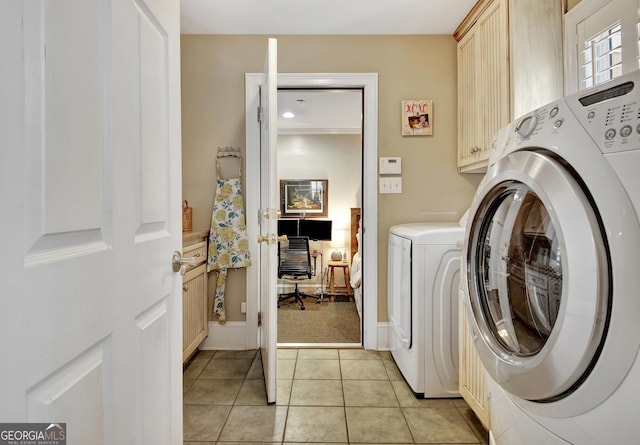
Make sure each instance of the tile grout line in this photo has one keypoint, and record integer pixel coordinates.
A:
(399, 403)
(226, 419)
(344, 399)
(341, 359)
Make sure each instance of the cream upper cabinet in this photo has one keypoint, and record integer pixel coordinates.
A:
(483, 85)
(509, 63)
(469, 128)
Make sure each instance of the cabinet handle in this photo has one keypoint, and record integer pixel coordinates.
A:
(185, 287)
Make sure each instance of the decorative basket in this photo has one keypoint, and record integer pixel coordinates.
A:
(187, 217)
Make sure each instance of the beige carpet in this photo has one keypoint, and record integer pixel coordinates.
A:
(326, 322)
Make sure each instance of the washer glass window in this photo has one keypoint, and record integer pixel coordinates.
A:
(519, 264)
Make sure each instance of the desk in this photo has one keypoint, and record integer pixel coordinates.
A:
(339, 290)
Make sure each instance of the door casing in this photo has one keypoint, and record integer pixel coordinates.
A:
(369, 83)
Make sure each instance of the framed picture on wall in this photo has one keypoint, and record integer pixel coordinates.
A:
(417, 118)
(304, 198)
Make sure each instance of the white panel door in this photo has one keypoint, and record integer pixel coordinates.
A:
(269, 219)
(90, 315)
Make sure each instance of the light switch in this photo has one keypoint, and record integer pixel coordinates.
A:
(391, 184)
(390, 166)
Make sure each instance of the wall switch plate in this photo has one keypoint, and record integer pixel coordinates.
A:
(243, 307)
(391, 184)
(390, 166)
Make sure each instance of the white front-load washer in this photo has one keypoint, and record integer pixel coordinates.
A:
(550, 270)
(423, 282)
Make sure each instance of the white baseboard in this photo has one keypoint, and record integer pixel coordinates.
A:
(229, 336)
(384, 330)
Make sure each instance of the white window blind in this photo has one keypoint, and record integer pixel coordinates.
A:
(601, 57)
(602, 42)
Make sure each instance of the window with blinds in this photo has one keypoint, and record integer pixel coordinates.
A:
(602, 42)
(601, 58)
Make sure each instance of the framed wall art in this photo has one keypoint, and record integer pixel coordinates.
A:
(417, 117)
(304, 198)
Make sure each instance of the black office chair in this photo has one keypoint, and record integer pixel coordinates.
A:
(294, 264)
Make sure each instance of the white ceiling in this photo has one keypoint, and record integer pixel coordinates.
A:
(320, 111)
(272, 17)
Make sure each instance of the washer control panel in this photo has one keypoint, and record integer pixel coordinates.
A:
(541, 121)
(611, 115)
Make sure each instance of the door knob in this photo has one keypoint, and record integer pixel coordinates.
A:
(272, 239)
(271, 213)
(180, 264)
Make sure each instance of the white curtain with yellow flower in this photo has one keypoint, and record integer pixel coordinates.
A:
(228, 243)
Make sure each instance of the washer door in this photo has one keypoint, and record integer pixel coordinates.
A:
(538, 277)
(400, 289)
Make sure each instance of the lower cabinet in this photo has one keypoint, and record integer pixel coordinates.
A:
(195, 322)
(472, 386)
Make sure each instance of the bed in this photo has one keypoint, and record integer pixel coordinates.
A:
(356, 259)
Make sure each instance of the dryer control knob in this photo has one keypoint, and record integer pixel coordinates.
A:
(526, 126)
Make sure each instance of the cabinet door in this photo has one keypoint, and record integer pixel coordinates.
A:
(469, 123)
(483, 86)
(471, 371)
(194, 310)
(494, 66)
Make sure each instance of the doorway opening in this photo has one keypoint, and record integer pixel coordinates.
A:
(320, 139)
(368, 82)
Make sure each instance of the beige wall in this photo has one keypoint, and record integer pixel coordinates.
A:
(408, 67)
(337, 158)
(572, 3)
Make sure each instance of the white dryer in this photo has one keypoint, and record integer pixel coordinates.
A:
(550, 271)
(423, 282)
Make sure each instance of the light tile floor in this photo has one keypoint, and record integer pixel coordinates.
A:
(323, 396)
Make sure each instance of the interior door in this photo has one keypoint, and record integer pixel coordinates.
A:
(90, 319)
(269, 219)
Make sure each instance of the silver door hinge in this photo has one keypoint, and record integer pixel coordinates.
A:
(259, 319)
